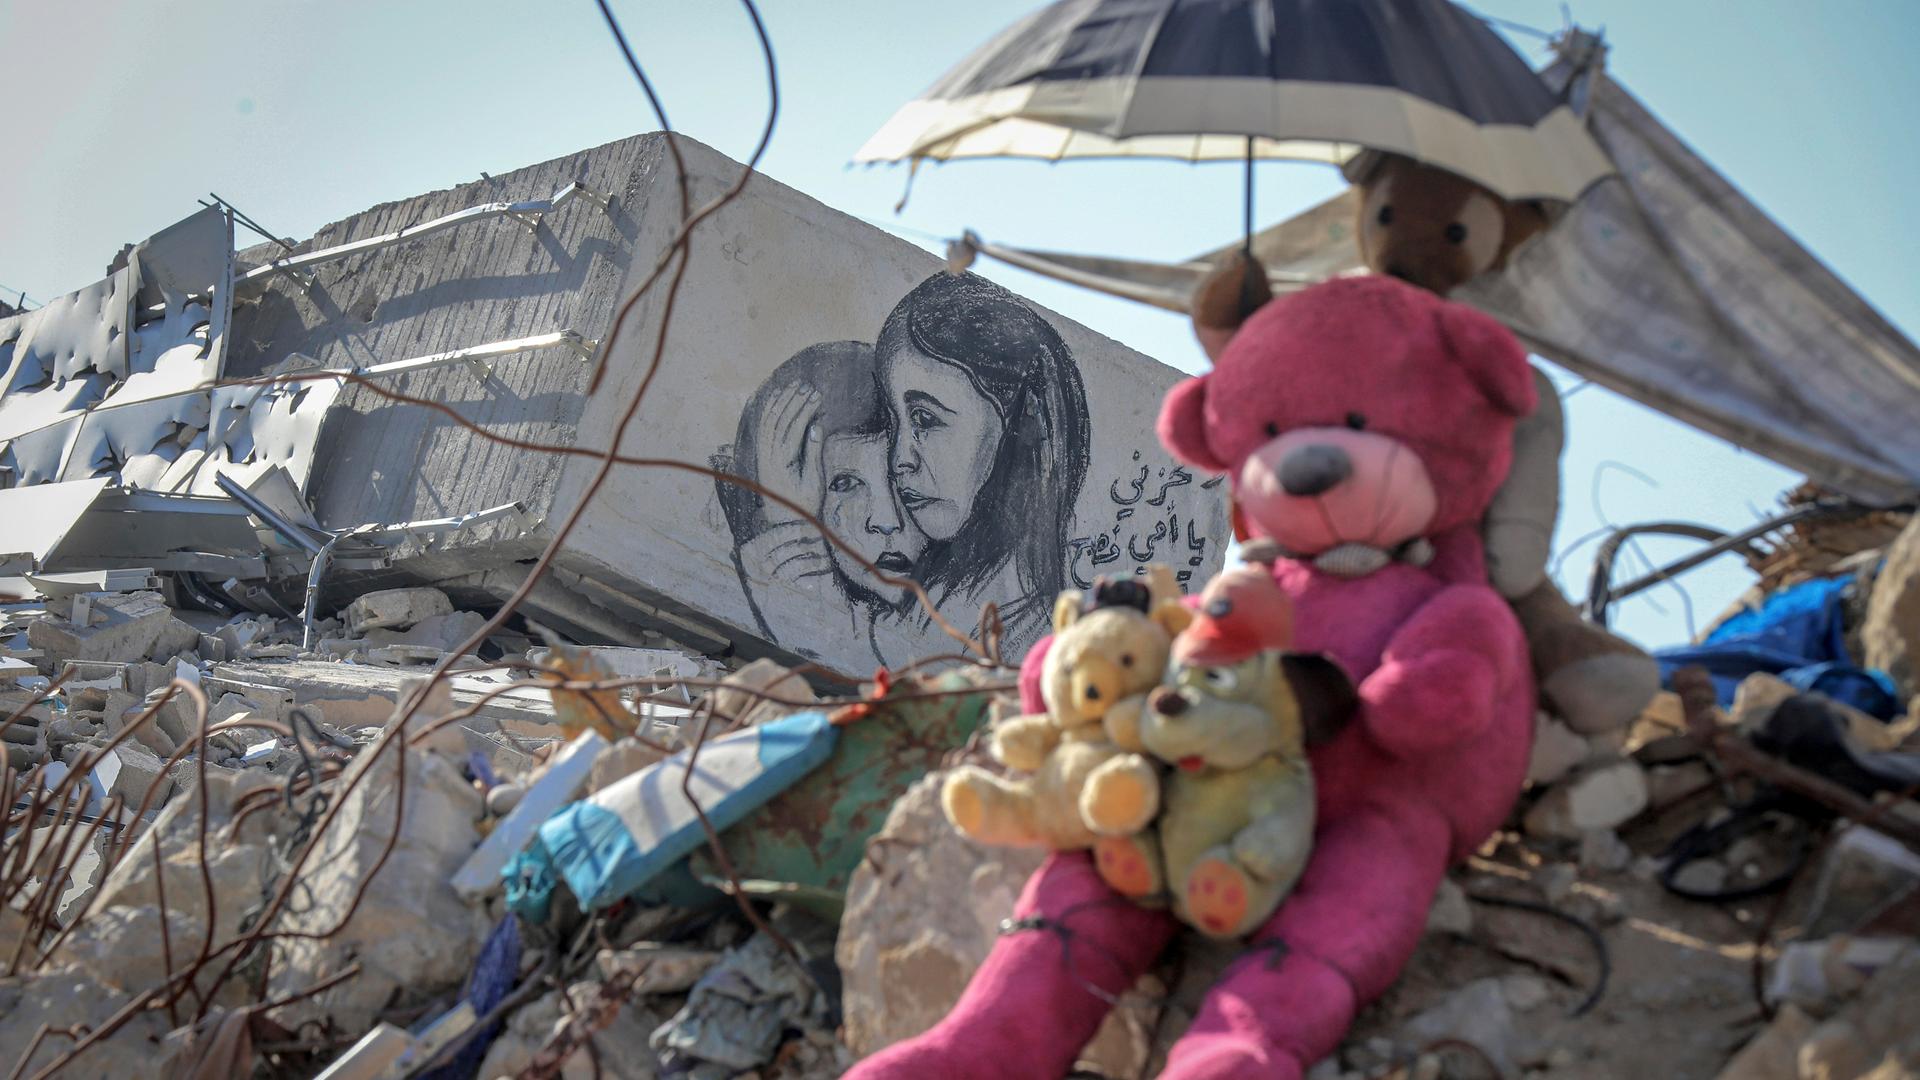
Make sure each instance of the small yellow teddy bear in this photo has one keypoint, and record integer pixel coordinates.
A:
(1110, 648)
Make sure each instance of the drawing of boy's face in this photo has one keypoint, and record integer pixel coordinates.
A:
(858, 505)
(948, 437)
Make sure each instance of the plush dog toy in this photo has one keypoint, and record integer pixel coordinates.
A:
(1111, 648)
(1323, 403)
(1438, 230)
(1232, 722)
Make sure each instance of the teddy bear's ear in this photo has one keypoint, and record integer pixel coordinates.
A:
(1173, 616)
(1325, 695)
(1183, 425)
(1491, 355)
(1525, 219)
(1066, 609)
(1225, 298)
(1160, 582)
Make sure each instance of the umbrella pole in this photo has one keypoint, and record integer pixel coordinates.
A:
(1247, 217)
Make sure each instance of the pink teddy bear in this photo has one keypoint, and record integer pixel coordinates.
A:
(1365, 425)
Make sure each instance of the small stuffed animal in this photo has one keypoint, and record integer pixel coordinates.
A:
(1232, 722)
(1110, 648)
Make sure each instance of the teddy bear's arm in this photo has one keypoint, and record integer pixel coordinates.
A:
(1439, 675)
(1024, 742)
(1122, 722)
(1121, 796)
(1275, 844)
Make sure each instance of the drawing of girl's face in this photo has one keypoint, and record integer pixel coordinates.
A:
(946, 437)
(858, 505)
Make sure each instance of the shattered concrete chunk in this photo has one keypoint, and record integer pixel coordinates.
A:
(71, 999)
(1557, 749)
(123, 947)
(657, 969)
(1478, 1013)
(1602, 797)
(1603, 852)
(410, 931)
(921, 913)
(1865, 872)
(744, 697)
(395, 608)
(438, 633)
(1451, 913)
(1890, 633)
(119, 627)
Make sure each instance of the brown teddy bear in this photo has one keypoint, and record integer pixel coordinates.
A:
(1437, 230)
(1110, 648)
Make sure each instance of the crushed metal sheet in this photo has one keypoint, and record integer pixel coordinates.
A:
(110, 379)
(41, 516)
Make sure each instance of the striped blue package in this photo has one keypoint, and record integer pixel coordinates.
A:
(610, 844)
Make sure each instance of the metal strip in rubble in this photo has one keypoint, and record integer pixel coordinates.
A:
(528, 213)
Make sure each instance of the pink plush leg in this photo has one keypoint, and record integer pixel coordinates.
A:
(1031, 700)
(1029, 1010)
(1347, 930)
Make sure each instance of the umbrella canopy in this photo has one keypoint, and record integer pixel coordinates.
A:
(1664, 284)
(1201, 80)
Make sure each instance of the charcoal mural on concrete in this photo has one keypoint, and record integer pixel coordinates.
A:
(953, 451)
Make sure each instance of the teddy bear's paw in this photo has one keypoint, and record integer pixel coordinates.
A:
(1121, 796)
(1219, 895)
(965, 803)
(1130, 865)
(1022, 746)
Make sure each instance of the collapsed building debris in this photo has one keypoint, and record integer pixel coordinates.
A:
(287, 787)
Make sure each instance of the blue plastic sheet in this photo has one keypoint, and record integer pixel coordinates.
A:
(1798, 634)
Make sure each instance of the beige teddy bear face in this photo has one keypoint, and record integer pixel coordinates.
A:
(1222, 716)
(1101, 657)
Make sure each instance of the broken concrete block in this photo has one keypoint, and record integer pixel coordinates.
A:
(920, 917)
(744, 697)
(623, 759)
(1451, 913)
(441, 633)
(1890, 633)
(175, 638)
(1865, 873)
(1602, 797)
(1556, 750)
(122, 946)
(657, 969)
(409, 929)
(405, 655)
(1702, 876)
(72, 999)
(129, 771)
(122, 628)
(1668, 784)
(1774, 1054)
(395, 608)
(1477, 1013)
(1817, 974)
(1603, 852)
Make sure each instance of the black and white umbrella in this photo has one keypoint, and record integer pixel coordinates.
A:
(1218, 80)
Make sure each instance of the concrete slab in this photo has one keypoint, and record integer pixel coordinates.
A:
(988, 448)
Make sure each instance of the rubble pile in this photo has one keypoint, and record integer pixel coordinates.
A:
(237, 843)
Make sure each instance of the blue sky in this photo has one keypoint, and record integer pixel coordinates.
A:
(302, 112)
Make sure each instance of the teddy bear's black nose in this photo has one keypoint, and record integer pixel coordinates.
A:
(1167, 702)
(1312, 470)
